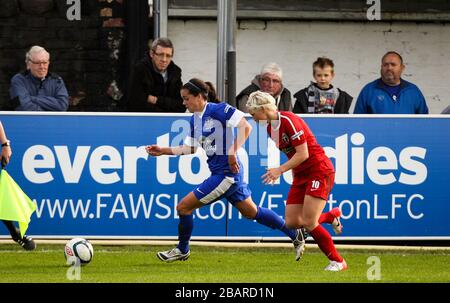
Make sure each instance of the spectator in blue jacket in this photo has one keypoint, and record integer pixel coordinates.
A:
(36, 89)
(390, 94)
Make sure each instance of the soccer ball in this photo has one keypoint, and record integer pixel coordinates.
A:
(78, 249)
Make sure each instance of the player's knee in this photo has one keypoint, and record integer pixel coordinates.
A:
(293, 223)
(248, 214)
(309, 223)
(183, 210)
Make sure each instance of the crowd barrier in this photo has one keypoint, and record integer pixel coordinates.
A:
(89, 175)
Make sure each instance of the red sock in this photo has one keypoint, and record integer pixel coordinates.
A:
(328, 217)
(323, 239)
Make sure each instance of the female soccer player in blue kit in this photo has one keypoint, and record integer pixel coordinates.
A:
(212, 129)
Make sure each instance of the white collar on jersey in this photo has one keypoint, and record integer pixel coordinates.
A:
(276, 124)
(200, 114)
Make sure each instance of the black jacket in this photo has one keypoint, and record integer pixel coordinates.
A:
(341, 107)
(145, 81)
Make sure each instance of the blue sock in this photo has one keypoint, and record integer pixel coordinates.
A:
(269, 218)
(185, 228)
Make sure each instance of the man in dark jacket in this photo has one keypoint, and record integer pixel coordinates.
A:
(321, 97)
(36, 89)
(446, 110)
(155, 82)
(269, 80)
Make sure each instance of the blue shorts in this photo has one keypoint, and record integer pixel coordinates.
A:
(217, 187)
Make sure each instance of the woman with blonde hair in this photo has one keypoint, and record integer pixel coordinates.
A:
(312, 170)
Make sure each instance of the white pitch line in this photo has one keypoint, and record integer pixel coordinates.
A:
(242, 244)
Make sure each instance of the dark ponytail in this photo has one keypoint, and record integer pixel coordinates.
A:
(196, 86)
(212, 97)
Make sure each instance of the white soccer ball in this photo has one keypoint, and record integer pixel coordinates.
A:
(78, 249)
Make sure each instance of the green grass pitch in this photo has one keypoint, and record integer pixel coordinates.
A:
(138, 263)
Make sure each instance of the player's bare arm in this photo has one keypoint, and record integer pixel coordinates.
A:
(155, 150)
(301, 154)
(243, 131)
(6, 148)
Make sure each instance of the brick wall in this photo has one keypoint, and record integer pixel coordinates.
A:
(86, 52)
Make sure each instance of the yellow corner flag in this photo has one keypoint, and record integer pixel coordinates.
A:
(15, 205)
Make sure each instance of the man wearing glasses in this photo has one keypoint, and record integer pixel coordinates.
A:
(36, 89)
(155, 82)
(270, 80)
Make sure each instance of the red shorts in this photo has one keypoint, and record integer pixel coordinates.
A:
(319, 187)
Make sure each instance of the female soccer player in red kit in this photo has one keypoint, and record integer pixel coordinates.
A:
(312, 170)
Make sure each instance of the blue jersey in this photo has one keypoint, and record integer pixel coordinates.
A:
(212, 130)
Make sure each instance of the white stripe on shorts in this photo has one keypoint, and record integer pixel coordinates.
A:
(218, 191)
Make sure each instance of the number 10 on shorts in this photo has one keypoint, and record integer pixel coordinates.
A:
(315, 184)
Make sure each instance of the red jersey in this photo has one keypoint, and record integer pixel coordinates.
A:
(293, 131)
